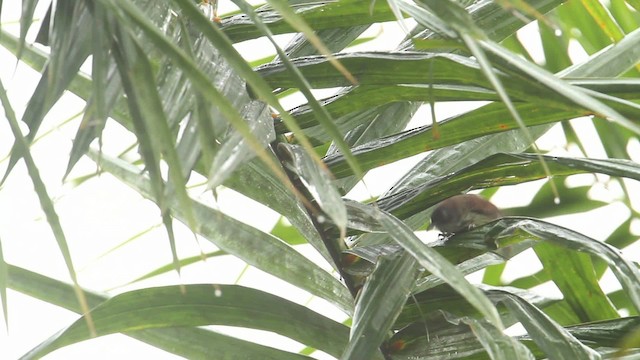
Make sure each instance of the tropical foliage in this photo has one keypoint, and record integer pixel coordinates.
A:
(201, 117)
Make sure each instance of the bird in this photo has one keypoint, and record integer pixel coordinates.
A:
(463, 212)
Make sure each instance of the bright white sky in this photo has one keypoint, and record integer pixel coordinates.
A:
(102, 214)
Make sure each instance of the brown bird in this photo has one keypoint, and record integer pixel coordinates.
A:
(463, 212)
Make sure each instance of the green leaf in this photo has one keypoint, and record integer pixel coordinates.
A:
(301, 83)
(198, 79)
(435, 339)
(317, 181)
(574, 275)
(334, 39)
(445, 331)
(549, 336)
(256, 83)
(235, 151)
(573, 200)
(285, 231)
(170, 267)
(623, 16)
(365, 96)
(45, 201)
(425, 305)
(620, 238)
(69, 50)
(327, 16)
(26, 18)
(613, 60)
(189, 342)
(198, 305)
(145, 107)
(602, 16)
(560, 88)
(487, 120)
(591, 37)
(437, 334)
(96, 113)
(561, 312)
(496, 343)
(499, 170)
(276, 195)
(243, 241)
(397, 68)
(511, 230)
(605, 333)
(379, 304)
(555, 45)
(475, 41)
(440, 267)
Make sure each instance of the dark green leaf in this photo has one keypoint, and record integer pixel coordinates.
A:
(327, 16)
(499, 170)
(318, 183)
(574, 275)
(69, 50)
(380, 302)
(46, 203)
(190, 342)
(511, 230)
(433, 262)
(247, 243)
(555, 341)
(198, 305)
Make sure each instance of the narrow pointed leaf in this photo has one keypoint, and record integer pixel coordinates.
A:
(510, 230)
(258, 86)
(131, 60)
(301, 83)
(198, 79)
(278, 197)
(199, 305)
(318, 182)
(612, 60)
(189, 342)
(247, 243)
(559, 87)
(381, 300)
(235, 151)
(425, 305)
(26, 18)
(494, 119)
(499, 169)
(45, 200)
(68, 53)
(555, 341)
(440, 267)
(327, 16)
(170, 267)
(439, 337)
(496, 343)
(577, 281)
